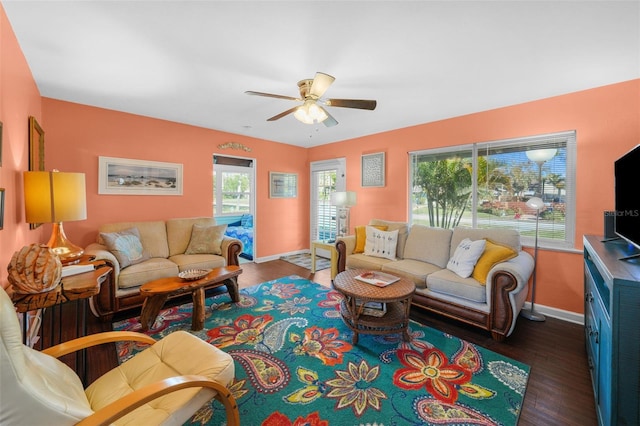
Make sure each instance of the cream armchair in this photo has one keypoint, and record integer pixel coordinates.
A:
(164, 384)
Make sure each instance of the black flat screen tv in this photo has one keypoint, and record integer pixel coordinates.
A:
(627, 196)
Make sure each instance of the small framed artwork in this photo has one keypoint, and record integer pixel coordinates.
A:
(373, 169)
(36, 146)
(283, 185)
(1, 208)
(123, 176)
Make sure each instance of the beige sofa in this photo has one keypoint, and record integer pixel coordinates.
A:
(164, 244)
(422, 255)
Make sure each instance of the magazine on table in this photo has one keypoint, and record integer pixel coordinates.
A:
(377, 278)
(374, 309)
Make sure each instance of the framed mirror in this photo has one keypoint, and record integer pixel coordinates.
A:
(36, 152)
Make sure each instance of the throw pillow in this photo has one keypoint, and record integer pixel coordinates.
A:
(465, 257)
(493, 253)
(361, 236)
(206, 239)
(247, 221)
(125, 246)
(381, 243)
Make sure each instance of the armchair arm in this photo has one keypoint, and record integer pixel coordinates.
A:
(344, 246)
(231, 249)
(96, 339)
(125, 405)
(507, 290)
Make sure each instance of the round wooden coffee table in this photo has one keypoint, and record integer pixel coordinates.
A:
(397, 297)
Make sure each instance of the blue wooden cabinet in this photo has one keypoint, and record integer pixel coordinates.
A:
(612, 329)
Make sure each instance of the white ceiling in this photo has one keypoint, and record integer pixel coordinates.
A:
(192, 61)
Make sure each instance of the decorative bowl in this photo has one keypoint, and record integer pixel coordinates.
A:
(193, 274)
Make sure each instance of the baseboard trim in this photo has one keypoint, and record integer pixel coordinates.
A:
(560, 314)
(278, 256)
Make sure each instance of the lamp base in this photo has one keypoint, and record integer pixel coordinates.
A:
(532, 315)
(68, 252)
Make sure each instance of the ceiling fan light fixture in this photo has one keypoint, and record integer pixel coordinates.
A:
(310, 113)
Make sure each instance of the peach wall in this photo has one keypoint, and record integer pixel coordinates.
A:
(607, 122)
(19, 98)
(78, 134)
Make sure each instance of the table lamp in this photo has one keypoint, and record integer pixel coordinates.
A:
(531, 314)
(343, 201)
(56, 197)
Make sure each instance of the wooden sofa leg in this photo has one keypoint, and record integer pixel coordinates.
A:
(497, 336)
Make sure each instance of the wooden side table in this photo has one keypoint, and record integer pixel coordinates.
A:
(397, 297)
(331, 247)
(75, 288)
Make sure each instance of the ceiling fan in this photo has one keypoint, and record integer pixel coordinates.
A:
(312, 110)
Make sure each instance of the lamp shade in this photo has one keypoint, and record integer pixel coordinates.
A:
(52, 197)
(535, 203)
(343, 199)
(541, 155)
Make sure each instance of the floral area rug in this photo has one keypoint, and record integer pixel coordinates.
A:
(304, 260)
(296, 365)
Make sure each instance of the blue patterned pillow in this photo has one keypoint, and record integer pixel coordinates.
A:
(247, 221)
(125, 246)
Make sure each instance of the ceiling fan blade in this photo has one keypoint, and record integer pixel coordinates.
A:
(352, 103)
(271, 95)
(282, 114)
(321, 83)
(329, 121)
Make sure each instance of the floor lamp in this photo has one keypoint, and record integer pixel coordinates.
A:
(343, 201)
(539, 156)
(531, 314)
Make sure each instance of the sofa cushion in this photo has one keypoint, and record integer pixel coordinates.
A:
(507, 237)
(415, 270)
(362, 261)
(466, 256)
(179, 232)
(428, 244)
(198, 261)
(361, 237)
(149, 270)
(403, 231)
(125, 246)
(153, 235)
(206, 239)
(381, 243)
(493, 253)
(448, 282)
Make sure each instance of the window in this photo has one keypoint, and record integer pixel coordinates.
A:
(232, 187)
(487, 185)
(326, 177)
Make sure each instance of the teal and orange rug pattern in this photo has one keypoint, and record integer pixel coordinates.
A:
(296, 365)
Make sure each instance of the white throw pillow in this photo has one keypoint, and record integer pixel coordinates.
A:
(381, 243)
(466, 256)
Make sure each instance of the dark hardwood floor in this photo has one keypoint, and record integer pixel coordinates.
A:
(559, 389)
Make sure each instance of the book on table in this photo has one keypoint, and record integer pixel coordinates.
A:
(377, 278)
(374, 309)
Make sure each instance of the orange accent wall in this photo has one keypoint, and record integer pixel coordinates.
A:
(78, 134)
(607, 124)
(19, 98)
(607, 121)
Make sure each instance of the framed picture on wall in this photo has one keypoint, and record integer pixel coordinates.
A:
(123, 176)
(36, 146)
(283, 185)
(373, 169)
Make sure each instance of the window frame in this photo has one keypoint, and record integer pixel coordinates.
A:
(530, 142)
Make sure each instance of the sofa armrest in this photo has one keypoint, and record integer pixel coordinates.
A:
(100, 252)
(103, 304)
(507, 290)
(345, 247)
(231, 249)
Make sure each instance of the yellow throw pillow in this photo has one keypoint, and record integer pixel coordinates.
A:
(493, 253)
(361, 236)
